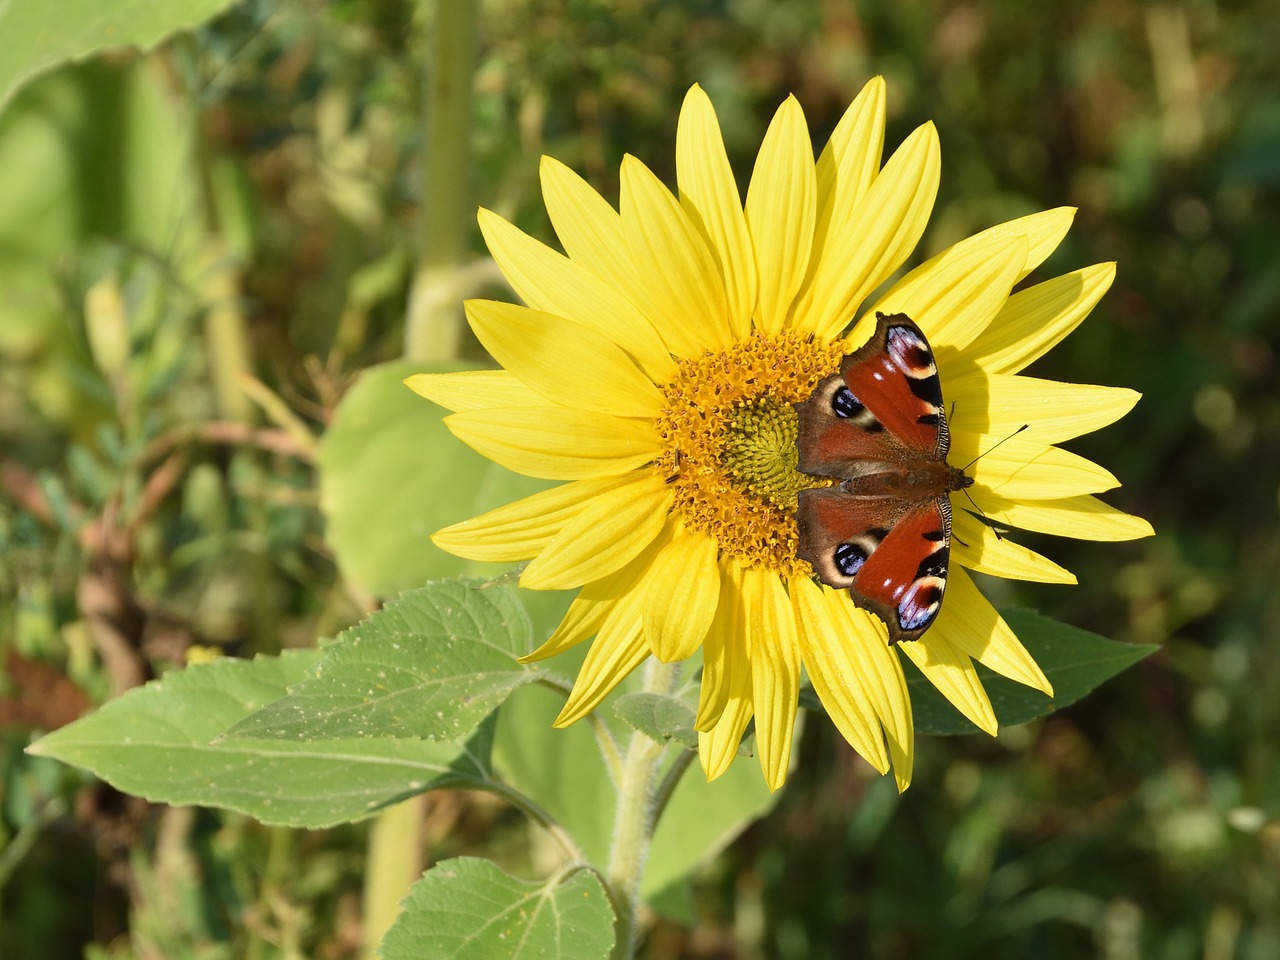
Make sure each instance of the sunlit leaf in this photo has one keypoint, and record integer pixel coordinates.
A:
(431, 664)
(469, 909)
(155, 742)
(38, 36)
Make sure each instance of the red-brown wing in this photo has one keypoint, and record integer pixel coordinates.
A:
(894, 376)
(835, 433)
(891, 554)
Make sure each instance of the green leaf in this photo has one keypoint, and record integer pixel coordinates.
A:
(155, 742)
(391, 474)
(664, 718)
(432, 664)
(668, 717)
(38, 36)
(468, 909)
(1074, 660)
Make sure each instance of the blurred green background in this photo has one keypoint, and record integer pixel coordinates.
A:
(244, 202)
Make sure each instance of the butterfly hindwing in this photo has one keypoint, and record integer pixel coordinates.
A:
(879, 426)
(890, 554)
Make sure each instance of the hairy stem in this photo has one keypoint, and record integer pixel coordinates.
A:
(634, 819)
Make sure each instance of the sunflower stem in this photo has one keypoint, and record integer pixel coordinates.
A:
(671, 780)
(634, 818)
(433, 327)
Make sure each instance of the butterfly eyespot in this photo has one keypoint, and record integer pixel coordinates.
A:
(921, 605)
(849, 558)
(845, 405)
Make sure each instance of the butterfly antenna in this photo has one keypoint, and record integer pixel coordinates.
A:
(982, 513)
(993, 446)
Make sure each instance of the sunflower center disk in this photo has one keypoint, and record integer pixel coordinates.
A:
(729, 434)
(760, 452)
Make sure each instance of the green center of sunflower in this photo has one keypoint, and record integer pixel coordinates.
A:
(729, 433)
(760, 452)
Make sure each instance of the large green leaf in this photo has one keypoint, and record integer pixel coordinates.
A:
(1074, 660)
(391, 474)
(432, 664)
(468, 909)
(155, 742)
(40, 34)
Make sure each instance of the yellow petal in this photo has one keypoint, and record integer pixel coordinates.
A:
(1000, 404)
(709, 194)
(851, 158)
(681, 596)
(845, 172)
(596, 602)
(884, 680)
(952, 672)
(592, 235)
(548, 281)
(723, 651)
(973, 626)
(1044, 231)
(863, 250)
(618, 649)
(683, 278)
(557, 443)
(606, 534)
(471, 389)
(563, 361)
(836, 664)
(1038, 318)
(976, 546)
(1083, 518)
(957, 293)
(782, 206)
(519, 530)
(718, 746)
(1029, 470)
(775, 669)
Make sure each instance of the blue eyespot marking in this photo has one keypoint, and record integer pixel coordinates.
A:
(849, 558)
(845, 405)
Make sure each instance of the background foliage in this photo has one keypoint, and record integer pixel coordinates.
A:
(202, 247)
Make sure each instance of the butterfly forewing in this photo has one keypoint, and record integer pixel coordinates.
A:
(893, 375)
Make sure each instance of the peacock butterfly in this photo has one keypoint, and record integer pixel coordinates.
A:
(883, 533)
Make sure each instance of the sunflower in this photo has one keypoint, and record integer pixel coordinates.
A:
(655, 370)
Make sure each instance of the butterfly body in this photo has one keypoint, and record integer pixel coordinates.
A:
(884, 532)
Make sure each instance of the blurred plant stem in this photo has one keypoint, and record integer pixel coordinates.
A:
(634, 817)
(394, 863)
(434, 323)
(226, 335)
